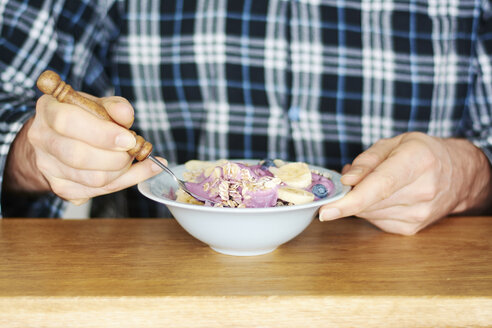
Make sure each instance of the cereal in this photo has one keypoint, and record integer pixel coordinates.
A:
(269, 183)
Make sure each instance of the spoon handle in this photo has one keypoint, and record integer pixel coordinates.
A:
(50, 83)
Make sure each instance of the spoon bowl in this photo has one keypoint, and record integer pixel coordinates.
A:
(181, 183)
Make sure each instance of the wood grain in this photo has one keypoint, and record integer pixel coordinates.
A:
(346, 273)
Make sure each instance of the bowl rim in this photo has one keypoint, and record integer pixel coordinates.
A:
(144, 188)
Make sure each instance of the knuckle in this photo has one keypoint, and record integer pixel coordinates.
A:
(369, 158)
(33, 136)
(72, 156)
(420, 215)
(352, 208)
(116, 99)
(122, 161)
(409, 229)
(42, 102)
(55, 145)
(42, 164)
(66, 191)
(61, 121)
(110, 187)
(413, 135)
(388, 183)
(384, 144)
(383, 141)
(79, 201)
(78, 162)
(423, 153)
(98, 179)
(428, 193)
(429, 160)
(399, 227)
(58, 187)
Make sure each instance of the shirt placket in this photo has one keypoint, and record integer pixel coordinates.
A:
(304, 82)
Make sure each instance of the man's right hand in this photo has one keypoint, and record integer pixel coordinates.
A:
(75, 154)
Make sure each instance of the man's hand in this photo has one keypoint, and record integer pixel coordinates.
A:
(405, 183)
(75, 154)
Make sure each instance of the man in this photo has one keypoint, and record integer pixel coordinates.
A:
(408, 86)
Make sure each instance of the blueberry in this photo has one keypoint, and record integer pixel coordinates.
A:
(266, 163)
(319, 190)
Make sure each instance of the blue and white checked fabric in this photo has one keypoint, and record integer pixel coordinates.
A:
(309, 80)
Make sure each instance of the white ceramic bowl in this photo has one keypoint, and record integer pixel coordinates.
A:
(239, 231)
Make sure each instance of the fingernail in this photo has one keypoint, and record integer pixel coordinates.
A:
(329, 214)
(125, 140)
(354, 171)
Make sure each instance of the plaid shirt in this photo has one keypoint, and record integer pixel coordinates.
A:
(308, 80)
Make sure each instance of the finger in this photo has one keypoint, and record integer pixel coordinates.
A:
(88, 178)
(97, 179)
(80, 155)
(137, 173)
(73, 191)
(367, 161)
(346, 168)
(401, 213)
(391, 175)
(397, 227)
(79, 202)
(423, 190)
(120, 110)
(401, 227)
(162, 160)
(72, 122)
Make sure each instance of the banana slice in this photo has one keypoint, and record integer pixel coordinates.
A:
(278, 162)
(196, 165)
(295, 196)
(184, 197)
(297, 175)
(211, 169)
(206, 166)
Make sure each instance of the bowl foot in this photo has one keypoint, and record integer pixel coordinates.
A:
(236, 252)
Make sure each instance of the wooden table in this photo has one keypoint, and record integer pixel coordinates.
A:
(150, 273)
